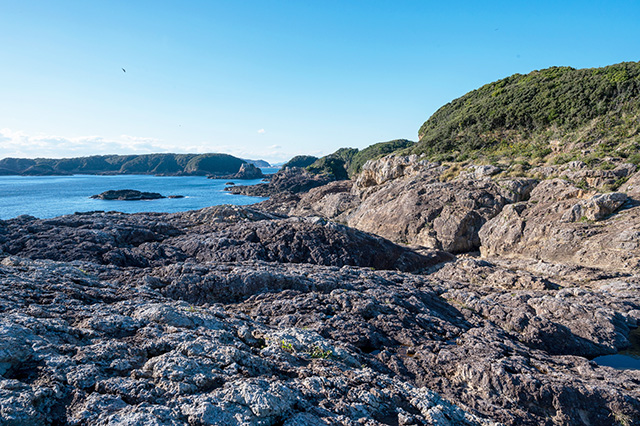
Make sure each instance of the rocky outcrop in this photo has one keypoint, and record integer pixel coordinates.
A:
(283, 343)
(564, 224)
(632, 187)
(247, 171)
(127, 195)
(221, 233)
(330, 201)
(405, 199)
(237, 315)
(290, 180)
(579, 173)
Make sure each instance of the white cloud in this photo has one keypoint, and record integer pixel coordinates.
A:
(24, 145)
(262, 131)
(21, 144)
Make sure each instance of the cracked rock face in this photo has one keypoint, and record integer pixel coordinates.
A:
(404, 200)
(563, 224)
(104, 345)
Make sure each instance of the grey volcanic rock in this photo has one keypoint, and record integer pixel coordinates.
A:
(202, 333)
(120, 352)
(332, 200)
(127, 195)
(303, 240)
(578, 172)
(409, 200)
(572, 321)
(556, 225)
(293, 180)
(421, 210)
(220, 233)
(405, 199)
(632, 187)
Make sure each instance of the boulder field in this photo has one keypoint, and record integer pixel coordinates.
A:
(416, 294)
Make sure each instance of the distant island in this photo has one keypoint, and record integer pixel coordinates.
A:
(147, 164)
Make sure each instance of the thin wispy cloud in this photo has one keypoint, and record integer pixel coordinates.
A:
(24, 145)
(262, 131)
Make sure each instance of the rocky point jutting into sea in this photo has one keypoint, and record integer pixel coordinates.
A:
(428, 288)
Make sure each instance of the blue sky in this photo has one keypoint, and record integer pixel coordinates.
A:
(274, 79)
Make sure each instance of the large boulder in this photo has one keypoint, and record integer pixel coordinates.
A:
(403, 199)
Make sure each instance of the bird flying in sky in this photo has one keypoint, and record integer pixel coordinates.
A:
(123, 70)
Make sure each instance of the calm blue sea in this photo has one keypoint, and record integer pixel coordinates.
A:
(50, 196)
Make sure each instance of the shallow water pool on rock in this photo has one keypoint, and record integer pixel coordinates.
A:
(628, 359)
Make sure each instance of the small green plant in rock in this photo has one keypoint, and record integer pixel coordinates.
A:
(317, 352)
(286, 346)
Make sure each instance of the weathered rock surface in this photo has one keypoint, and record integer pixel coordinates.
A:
(264, 343)
(329, 201)
(221, 233)
(579, 173)
(564, 224)
(405, 200)
(241, 316)
(632, 187)
(127, 195)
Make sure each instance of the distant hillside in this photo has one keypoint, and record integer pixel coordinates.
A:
(258, 163)
(154, 164)
(300, 161)
(560, 112)
(347, 162)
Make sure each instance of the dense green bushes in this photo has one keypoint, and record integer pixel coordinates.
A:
(347, 162)
(161, 164)
(300, 161)
(577, 109)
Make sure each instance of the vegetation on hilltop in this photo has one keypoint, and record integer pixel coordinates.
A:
(556, 114)
(158, 164)
(300, 161)
(347, 162)
(375, 151)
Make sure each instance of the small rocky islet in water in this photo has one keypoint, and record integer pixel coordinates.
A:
(131, 195)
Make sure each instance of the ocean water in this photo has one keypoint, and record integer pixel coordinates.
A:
(628, 359)
(50, 196)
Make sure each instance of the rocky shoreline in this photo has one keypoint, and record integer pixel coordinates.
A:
(415, 294)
